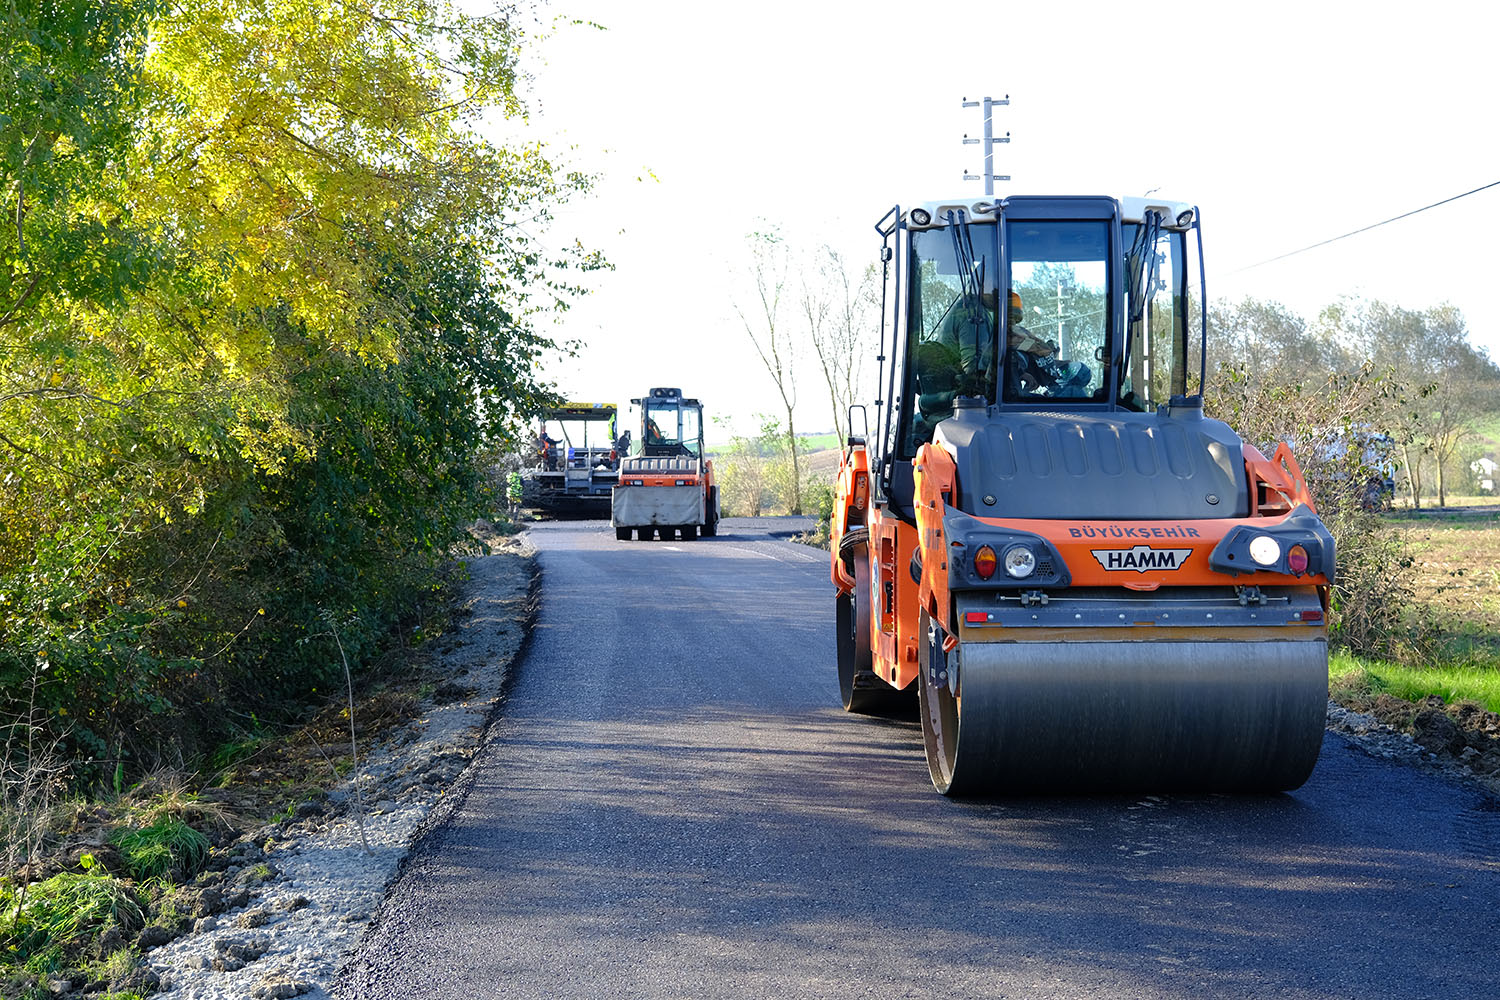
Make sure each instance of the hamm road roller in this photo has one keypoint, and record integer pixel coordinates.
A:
(1091, 584)
(668, 485)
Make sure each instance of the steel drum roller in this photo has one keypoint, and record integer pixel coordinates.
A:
(1182, 715)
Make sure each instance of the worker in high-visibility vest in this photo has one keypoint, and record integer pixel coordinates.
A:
(547, 445)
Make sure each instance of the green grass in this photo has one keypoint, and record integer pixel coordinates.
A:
(807, 443)
(1487, 429)
(154, 851)
(1478, 682)
(227, 755)
(62, 908)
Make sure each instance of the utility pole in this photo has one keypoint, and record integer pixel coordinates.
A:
(989, 140)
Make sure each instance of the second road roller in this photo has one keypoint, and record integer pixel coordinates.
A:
(1091, 584)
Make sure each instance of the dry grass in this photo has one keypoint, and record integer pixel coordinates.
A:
(1458, 580)
(824, 465)
(169, 795)
(1453, 617)
(1429, 504)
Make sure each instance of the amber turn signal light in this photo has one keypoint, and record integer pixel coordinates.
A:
(985, 562)
(1296, 559)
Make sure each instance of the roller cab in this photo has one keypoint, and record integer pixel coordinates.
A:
(1089, 583)
(667, 486)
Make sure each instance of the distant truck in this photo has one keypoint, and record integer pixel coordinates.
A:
(1355, 461)
(668, 486)
(577, 461)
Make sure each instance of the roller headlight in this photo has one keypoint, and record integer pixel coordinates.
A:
(1020, 561)
(1265, 550)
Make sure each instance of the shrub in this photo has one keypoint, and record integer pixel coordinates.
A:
(211, 438)
(1374, 588)
(1334, 426)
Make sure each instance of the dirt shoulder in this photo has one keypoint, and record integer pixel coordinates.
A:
(1461, 738)
(304, 830)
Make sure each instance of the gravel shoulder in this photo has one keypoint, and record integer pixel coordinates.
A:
(296, 896)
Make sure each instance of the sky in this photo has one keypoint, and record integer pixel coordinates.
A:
(1286, 123)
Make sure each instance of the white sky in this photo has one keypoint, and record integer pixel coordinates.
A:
(1287, 123)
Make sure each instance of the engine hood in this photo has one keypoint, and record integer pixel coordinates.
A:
(1122, 465)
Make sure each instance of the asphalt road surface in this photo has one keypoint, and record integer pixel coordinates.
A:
(673, 805)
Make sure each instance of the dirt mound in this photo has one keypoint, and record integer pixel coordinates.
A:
(1461, 733)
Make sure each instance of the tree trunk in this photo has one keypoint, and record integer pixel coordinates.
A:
(833, 392)
(791, 434)
(841, 434)
(1412, 479)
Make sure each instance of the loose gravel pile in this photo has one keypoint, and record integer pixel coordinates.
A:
(1373, 736)
(290, 907)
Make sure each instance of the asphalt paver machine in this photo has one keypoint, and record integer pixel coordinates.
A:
(577, 461)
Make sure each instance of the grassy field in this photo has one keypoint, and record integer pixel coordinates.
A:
(1452, 683)
(809, 443)
(1486, 430)
(1457, 563)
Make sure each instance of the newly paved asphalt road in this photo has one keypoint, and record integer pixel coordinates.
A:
(673, 805)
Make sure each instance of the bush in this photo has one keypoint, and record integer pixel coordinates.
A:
(755, 475)
(36, 919)
(1334, 427)
(225, 422)
(821, 498)
(1374, 588)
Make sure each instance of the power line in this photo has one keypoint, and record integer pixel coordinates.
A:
(1324, 243)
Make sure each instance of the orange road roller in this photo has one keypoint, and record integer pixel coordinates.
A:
(1090, 583)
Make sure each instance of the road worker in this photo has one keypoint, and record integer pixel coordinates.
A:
(1035, 367)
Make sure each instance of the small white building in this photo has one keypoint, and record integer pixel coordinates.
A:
(1484, 471)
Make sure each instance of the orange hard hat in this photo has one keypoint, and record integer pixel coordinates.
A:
(1015, 299)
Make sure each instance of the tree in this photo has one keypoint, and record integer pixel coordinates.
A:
(1453, 382)
(1267, 337)
(838, 307)
(266, 295)
(1362, 375)
(776, 348)
(1464, 381)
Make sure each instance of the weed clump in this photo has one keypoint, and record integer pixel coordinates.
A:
(69, 909)
(166, 848)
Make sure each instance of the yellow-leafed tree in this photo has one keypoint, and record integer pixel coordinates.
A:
(265, 291)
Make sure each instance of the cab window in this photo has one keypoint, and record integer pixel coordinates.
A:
(1057, 319)
(1162, 306)
(673, 428)
(953, 325)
